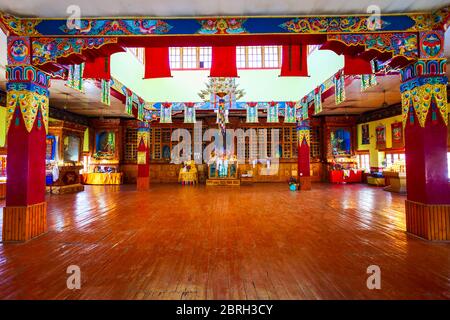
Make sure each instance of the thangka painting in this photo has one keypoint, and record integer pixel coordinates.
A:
(340, 142)
(365, 136)
(381, 137)
(397, 135)
(105, 145)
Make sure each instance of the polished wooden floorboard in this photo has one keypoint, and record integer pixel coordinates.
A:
(249, 242)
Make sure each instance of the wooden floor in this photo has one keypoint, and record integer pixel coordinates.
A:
(249, 242)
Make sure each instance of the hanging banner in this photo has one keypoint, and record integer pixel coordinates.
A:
(318, 100)
(305, 115)
(141, 104)
(166, 113)
(223, 62)
(294, 60)
(289, 112)
(106, 92)
(156, 64)
(222, 115)
(75, 77)
(381, 137)
(397, 135)
(189, 112)
(252, 112)
(368, 81)
(129, 102)
(272, 112)
(98, 68)
(339, 87)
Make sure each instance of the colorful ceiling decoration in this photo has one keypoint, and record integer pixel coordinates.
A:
(117, 27)
(222, 26)
(219, 25)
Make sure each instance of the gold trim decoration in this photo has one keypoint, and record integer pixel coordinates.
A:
(29, 104)
(303, 135)
(420, 99)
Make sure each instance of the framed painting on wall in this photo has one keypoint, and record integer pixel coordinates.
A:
(340, 142)
(365, 136)
(381, 137)
(397, 135)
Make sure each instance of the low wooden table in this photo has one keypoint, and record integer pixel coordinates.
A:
(397, 181)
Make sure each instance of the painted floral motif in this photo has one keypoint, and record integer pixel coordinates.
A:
(398, 43)
(49, 49)
(222, 26)
(431, 44)
(20, 27)
(19, 50)
(119, 27)
(328, 24)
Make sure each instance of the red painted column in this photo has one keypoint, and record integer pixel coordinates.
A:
(24, 216)
(425, 118)
(143, 157)
(303, 155)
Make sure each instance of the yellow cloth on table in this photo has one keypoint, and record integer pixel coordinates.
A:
(102, 178)
(188, 176)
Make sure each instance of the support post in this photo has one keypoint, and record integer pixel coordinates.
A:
(425, 119)
(303, 155)
(25, 213)
(143, 157)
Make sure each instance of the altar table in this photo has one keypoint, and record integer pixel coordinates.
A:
(188, 177)
(339, 176)
(102, 178)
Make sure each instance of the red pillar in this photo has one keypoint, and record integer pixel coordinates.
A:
(24, 215)
(303, 157)
(143, 158)
(425, 117)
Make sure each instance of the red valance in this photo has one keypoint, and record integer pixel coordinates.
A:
(223, 62)
(97, 68)
(294, 62)
(157, 63)
(356, 66)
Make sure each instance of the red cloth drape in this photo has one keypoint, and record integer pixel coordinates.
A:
(223, 62)
(356, 66)
(97, 68)
(157, 63)
(294, 62)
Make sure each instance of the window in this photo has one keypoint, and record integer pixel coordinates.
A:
(175, 58)
(205, 57)
(130, 146)
(271, 59)
(266, 57)
(138, 53)
(189, 58)
(394, 159)
(254, 55)
(364, 162)
(241, 60)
